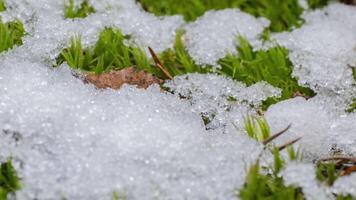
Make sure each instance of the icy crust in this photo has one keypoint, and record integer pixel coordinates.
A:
(214, 34)
(220, 98)
(81, 143)
(324, 48)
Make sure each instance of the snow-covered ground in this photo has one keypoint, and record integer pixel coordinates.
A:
(82, 143)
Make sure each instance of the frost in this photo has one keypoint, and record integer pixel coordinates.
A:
(214, 34)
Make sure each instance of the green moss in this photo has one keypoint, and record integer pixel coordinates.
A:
(352, 107)
(11, 34)
(2, 6)
(70, 11)
(283, 14)
(178, 61)
(314, 4)
(272, 66)
(9, 181)
(109, 53)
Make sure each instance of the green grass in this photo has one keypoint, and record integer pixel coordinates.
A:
(272, 66)
(2, 6)
(71, 11)
(9, 181)
(11, 34)
(314, 4)
(283, 14)
(257, 128)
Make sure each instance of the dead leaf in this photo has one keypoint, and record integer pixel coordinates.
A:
(115, 79)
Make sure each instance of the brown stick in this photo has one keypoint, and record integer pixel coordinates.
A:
(268, 140)
(345, 158)
(159, 64)
(288, 144)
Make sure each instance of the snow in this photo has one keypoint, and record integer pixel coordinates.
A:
(71, 140)
(220, 98)
(303, 175)
(324, 48)
(208, 39)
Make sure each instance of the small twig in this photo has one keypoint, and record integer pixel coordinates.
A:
(345, 158)
(268, 140)
(288, 144)
(159, 64)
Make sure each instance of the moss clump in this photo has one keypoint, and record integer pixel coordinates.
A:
(9, 181)
(272, 66)
(70, 11)
(2, 6)
(109, 53)
(11, 34)
(283, 14)
(314, 4)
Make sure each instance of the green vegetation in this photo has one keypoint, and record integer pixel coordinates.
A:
(314, 4)
(272, 66)
(352, 107)
(259, 186)
(327, 173)
(71, 11)
(2, 6)
(283, 14)
(178, 61)
(110, 52)
(11, 34)
(9, 181)
(257, 128)
(265, 182)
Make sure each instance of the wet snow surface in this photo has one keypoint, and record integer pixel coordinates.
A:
(71, 140)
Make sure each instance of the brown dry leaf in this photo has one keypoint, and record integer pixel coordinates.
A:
(115, 79)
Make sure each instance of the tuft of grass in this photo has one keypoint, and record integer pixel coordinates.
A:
(71, 11)
(283, 14)
(11, 34)
(327, 173)
(314, 4)
(9, 181)
(2, 6)
(268, 184)
(109, 53)
(257, 128)
(272, 66)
